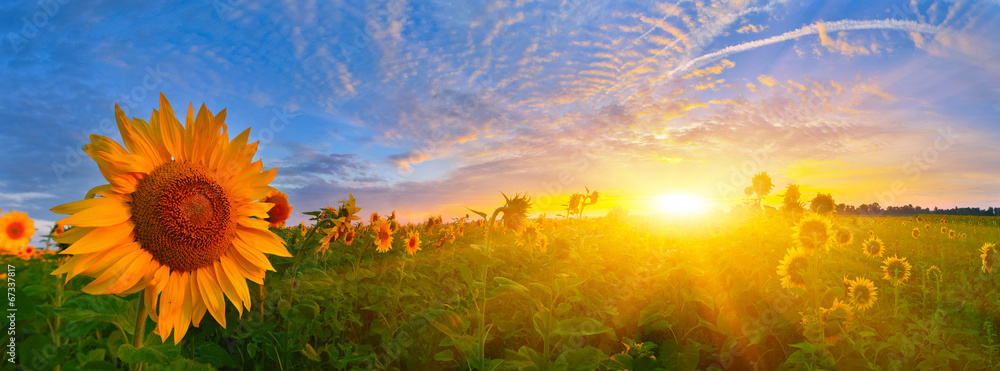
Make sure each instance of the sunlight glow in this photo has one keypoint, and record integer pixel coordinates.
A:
(681, 204)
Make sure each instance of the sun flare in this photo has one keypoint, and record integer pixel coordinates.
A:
(680, 204)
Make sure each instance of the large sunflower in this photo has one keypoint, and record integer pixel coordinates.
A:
(16, 230)
(792, 269)
(812, 233)
(896, 270)
(178, 220)
(862, 293)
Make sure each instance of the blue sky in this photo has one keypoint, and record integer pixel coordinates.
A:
(428, 107)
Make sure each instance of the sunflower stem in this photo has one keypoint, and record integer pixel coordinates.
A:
(140, 326)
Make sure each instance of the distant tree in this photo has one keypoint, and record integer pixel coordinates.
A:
(790, 205)
(761, 185)
(822, 204)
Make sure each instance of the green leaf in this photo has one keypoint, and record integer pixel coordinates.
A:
(99, 308)
(509, 284)
(480, 213)
(582, 359)
(100, 365)
(129, 354)
(252, 349)
(581, 326)
(213, 354)
(620, 362)
(185, 364)
(444, 356)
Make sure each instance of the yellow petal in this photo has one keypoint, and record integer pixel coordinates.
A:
(211, 294)
(227, 287)
(263, 240)
(233, 275)
(72, 235)
(102, 212)
(101, 239)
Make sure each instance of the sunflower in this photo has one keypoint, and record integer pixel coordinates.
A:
(873, 247)
(178, 220)
(989, 251)
(844, 236)
(933, 273)
(349, 237)
(927, 227)
(281, 210)
(863, 293)
(413, 242)
(375, 218)
(963, 235)
(944, 230)
(896, 270)
(836, 321)
(16, 230)
(920, 220)
(543, 244)
(27, 252)
(383, 237)
(57, 229)
(915, 233)
(951, 233)
(792, 269)
(812, 233)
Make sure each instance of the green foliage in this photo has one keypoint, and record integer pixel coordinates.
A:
(609, 294)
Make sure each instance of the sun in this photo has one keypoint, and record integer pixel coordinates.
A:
(680, 204)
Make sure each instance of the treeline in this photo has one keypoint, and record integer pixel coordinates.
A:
(875, 209)
(791, 206)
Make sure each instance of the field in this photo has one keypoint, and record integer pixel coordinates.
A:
(617, 292)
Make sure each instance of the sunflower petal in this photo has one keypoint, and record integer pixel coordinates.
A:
(264, 241)
(100, 239)
(102, 213)
(227, 287)
(211, 295)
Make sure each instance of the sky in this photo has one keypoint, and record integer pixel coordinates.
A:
(430, 107)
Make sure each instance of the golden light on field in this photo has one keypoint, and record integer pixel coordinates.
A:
(680, 204)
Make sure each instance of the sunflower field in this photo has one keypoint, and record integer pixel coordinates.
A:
(184, 261)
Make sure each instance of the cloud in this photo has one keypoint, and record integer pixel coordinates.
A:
(845, 25)
(767, 80)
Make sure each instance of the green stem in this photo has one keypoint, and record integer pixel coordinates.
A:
(140, 326)
(482, 309)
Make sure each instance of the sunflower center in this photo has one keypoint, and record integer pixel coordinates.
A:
(383, 235)
(183, 216)
(15, 231)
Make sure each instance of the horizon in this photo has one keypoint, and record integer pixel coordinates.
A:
(431, 108)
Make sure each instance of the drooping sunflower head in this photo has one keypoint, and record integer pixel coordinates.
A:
(383, 236)
(873, 247)
(989, 254)
(413, 242)
(178, 219)
(896, 270)
(933, 274)
(16, 230)
(813, 233)
(862, 293)
(374, 218)
(792, 269)
(515, 212)
(836, 321)
(281, 210)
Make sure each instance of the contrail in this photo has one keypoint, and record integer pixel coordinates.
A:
(845, 25)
